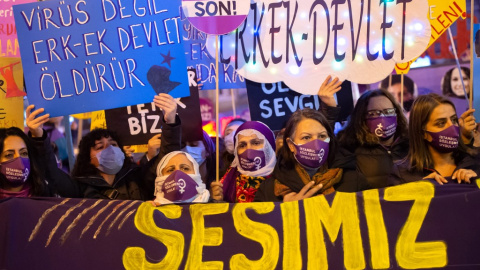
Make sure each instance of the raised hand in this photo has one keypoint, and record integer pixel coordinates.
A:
(34, 123)
(328, 89)
(167, 104)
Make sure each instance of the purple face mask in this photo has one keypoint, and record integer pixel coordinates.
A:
(179, 187)
(383, 127)
(16, 171)
(312, 154)
(445, 141)
(252, 160)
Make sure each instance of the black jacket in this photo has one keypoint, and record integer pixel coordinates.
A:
(369, 167)
(57, 182)
(133, 182)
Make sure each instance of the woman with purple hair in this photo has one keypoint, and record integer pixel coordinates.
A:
(253, 163)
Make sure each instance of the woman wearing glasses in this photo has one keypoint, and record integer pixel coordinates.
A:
(304, 161)
(436, 150)
(373, 139)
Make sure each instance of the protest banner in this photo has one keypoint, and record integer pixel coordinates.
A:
(411, 226)
(195, 46)
(475, 77)
(88, 55)
(11, 94)
(302, 42)
(273, 103)
(441, 14)
(135, 125)
(8, 32)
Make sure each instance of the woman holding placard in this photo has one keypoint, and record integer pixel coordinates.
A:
(254, 162)
(436, 150)
(20, 167)
(103, 172)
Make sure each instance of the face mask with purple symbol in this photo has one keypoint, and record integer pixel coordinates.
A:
(383, 127)
(252, 160)
(312, 154)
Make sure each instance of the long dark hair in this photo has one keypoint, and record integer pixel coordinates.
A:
(287, 158)
(419, 156)
(356, 133)
(446, 86)
(83, 167)
(36, 175)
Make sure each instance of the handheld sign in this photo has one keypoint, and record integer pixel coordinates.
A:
(274, 103)
(216, 17)
(87, 55)
(302, 42)
(11, 96)
(197, 56)
(135, 125)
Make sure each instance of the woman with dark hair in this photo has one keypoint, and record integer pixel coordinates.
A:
(436, 150)
(303, 166)
(373, 139)
(20, 175)
(452, 82)
(254, 161)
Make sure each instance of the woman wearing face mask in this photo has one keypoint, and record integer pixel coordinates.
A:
(303, 165)
(227, 155)
(373, 139)
(203, 151)
(179, 181)
(436, 150)
(20, 175)
(253, 163)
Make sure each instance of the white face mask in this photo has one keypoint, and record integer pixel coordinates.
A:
(199, 153)
(229, 145)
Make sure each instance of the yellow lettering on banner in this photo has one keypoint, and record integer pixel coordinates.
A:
(377, 233)
(134, 257)
(264, 234)
(410, 254)
(202, 236)
(478, 182)
(343, 213)
(292, 256)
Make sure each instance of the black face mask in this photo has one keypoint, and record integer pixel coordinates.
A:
(407, 105)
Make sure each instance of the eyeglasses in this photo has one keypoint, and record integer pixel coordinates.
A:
(384, 112)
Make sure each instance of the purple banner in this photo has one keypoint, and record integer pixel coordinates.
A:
(416, 225)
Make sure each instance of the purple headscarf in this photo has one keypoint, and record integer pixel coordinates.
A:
(229, 182)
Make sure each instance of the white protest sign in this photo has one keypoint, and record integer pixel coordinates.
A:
(301, 42)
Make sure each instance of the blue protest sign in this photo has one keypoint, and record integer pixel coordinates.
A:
(198, 57)
(87, 55)
(476, 74)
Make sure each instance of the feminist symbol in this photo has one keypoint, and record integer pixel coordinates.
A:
(258, 162)
(379, 130)
(181, 184)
